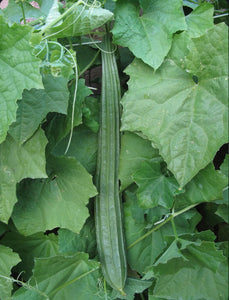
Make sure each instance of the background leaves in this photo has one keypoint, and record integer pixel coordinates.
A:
(175, 200)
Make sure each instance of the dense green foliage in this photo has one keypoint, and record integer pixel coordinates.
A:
(173, 68)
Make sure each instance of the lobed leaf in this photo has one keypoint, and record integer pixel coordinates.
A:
(18, 162)
(154, 187)
(62, 277)
(19, 70)
(30, 247)
(59, 201)
(148, 36)
(85, 241)
(175, 112)
(35, 105)
(206, 186)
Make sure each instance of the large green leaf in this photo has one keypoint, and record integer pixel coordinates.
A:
(154, 187)
(18, 162)
(19, 70)
(206, 186)
(191, 280)
(35, 105)
(63, 277)
(80, 21)
(8, 259)
(148, 36)
(59, 201)
(174, 106)
(37, 245)
(134, 150)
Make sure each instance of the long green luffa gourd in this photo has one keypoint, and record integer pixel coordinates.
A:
(108, 215)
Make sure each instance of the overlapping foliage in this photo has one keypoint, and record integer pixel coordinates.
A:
(174, 120)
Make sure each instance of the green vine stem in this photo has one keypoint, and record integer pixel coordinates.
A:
(172, 215)
(220, 16)
(23, 12)
(174, 227)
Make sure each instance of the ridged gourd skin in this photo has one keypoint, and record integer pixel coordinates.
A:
(108, 214)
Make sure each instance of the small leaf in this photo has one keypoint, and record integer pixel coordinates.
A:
(154, 187)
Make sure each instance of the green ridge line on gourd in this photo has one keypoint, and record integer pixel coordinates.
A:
(109, 230)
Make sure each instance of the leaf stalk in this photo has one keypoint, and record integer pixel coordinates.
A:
(173, 215)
